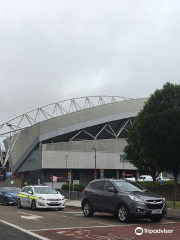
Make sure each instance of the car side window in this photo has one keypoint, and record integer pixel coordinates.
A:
(107, 185)
(30, 189)
(99, 185)
(92, 185)
(26, 189)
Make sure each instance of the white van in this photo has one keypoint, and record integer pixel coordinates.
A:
(145, 178)
(131, 179)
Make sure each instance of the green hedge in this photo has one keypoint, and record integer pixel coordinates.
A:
(146, 184)
(79, 187)
(75, 187)
(66, 187)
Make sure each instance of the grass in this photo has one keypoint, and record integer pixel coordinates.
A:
(171, 205)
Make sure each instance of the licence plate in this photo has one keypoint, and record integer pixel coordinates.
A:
(156, 211)
(54, 203)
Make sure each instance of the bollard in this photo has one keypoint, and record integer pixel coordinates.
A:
(174, 198)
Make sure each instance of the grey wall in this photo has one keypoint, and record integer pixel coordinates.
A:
(32, 162)
(82, 156)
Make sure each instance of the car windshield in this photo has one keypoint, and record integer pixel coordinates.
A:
(127, 186)
(11, 190)
(45, 190)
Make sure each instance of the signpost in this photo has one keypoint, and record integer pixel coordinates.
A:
(69, 179)
(54, 179)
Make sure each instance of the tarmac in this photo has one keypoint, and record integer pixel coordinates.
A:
(172, 214)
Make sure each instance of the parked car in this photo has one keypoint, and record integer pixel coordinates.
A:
(145, 178)
(164, 179)
(122, 198)
(8, 195)
(131, 179)
(40, 197)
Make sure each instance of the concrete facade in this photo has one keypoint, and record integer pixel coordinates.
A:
(37, 157)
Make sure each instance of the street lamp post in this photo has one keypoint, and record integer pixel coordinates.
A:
(122, 158)
(66, 166)
(95, 169)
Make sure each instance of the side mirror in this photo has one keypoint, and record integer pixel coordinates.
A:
(145, 190)
(111, 189)
(30, 192)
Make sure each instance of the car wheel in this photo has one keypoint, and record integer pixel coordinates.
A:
(123, 214)
(156, 218)
(5, 202)
(19, 203)
(87, 210)
(60, 209)
(33, 205)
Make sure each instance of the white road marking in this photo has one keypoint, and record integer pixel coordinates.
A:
(31, 216)
(73, 212)
(24, 230)
(49, 229)
(166, 223)
(26, 213)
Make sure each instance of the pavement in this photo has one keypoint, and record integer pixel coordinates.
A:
(172, 214)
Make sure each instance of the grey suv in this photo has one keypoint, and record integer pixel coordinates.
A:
(122, 198)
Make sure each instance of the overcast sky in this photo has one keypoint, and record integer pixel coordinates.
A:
(52, 50)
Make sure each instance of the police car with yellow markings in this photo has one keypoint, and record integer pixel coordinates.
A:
(40, 197)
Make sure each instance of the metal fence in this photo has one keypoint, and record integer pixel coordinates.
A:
(74, 195)
(11, 182)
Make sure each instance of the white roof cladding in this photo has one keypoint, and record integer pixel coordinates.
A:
(89, 117)
(30, 136)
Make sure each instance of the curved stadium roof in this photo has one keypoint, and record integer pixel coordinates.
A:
(74, 119)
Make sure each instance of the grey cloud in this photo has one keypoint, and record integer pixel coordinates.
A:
(53, 50)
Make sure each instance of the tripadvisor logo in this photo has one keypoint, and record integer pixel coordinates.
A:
(139, 231)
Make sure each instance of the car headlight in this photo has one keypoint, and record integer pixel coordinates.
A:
(9, 196)
(164, 199)
(41, 198)
(136, 199)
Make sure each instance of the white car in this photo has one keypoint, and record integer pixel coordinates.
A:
(164, 179)
(145, 178)
(131, 179)
(40, 197)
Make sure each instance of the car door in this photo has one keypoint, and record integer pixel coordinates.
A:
(109, 199)
(97, 194)
(30, 196)
(23, 196)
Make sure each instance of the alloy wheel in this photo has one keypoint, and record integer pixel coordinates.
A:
(122, 213)
(86, 209)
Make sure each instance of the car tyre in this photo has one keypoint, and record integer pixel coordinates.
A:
(87, 209)
(33, 205)
(156, 218)
(19, 203)
(123, 213)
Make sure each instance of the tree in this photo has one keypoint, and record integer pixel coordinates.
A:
(135, 154)
(158, 130)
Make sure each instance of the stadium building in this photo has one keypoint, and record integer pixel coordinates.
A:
(82, 137)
